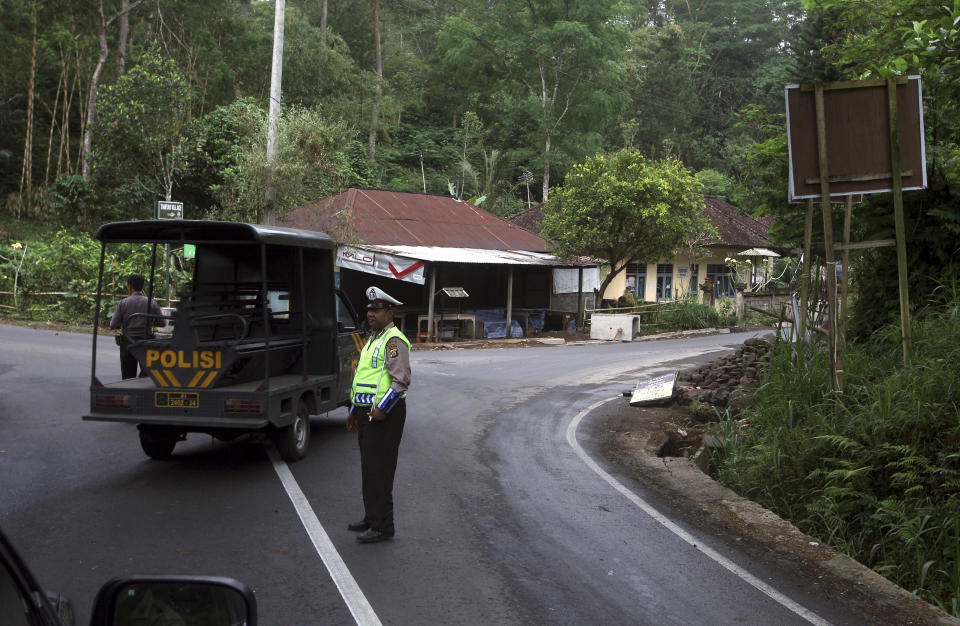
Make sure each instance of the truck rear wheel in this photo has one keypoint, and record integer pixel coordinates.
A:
(156, 445)
(292, 441)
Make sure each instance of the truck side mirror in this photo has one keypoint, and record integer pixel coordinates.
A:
(187, 600)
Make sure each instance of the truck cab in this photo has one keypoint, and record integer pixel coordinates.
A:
(261, 338)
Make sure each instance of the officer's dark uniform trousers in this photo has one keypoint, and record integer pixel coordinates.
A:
(379, 445)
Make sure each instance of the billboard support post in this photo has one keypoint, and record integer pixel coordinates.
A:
(864, 160)
(894, 126)
(844, 286)
(805, 272)
(836, 360)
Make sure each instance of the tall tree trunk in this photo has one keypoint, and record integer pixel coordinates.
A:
(376, 103)
(92, 95)
(95, 83)
(323, 25)
(124, 35)
(61, 81)
(63, 152)
(276, 74)
(546, 167)
(26, 175)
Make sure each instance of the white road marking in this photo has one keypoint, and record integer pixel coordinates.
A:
(349, 589)
(721, 560)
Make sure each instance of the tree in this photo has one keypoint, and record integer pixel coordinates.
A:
(552, 58)
(95, 81)
(143, 127)
(625, 209)
(899, 39)
(691, 65)
(316, 157)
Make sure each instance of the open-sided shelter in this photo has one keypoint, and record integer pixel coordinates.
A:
(447, 259)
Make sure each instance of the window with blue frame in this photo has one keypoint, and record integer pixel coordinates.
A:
(722, 278)
(637, 279)
(664, 281)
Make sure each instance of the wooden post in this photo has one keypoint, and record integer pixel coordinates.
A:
(895, 171)
(836, 364)
(847, 215)
(580, 298)
(509, 301)
(842, 315)
(430, 298)
(805, 272)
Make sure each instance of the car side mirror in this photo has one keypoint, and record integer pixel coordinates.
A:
(165, 599)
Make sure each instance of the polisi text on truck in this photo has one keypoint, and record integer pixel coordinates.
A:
(206, 359)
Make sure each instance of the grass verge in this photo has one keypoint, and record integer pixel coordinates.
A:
(875, 472)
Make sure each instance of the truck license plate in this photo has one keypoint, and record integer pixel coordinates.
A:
(177, 399)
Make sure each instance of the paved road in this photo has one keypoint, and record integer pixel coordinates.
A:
(500, 519)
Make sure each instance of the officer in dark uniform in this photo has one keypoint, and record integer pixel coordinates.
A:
(138, 327)
(378, 410)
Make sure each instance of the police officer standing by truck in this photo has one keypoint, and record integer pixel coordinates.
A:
(378, 410)
(138, 327)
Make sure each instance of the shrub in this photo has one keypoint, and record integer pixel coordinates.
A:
(868, 471)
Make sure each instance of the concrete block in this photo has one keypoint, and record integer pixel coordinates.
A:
(614, 326)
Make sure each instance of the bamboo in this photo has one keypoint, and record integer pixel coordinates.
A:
(53, 120)
(836, 361)
(805, 271)
(26, 174)
(842, 320)
(859, 178)
(894, 127)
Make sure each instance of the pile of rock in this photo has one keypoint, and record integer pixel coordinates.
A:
(728, 381)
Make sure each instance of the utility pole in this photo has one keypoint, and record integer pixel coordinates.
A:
(270, 197)
(374, 122)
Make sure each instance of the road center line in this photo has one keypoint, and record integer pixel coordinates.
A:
(718, 558)
(349, 589)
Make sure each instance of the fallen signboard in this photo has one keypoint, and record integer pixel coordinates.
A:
(654, 390)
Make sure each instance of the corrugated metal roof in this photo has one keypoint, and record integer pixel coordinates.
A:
(394, 218)
(472, 255)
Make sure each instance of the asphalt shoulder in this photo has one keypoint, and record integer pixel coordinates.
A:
(633, 440)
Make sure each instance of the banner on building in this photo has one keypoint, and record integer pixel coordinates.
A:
(381, 264)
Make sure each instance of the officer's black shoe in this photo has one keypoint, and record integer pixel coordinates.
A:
(373, 536)
(359, 527)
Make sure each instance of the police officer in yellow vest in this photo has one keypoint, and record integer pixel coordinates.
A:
(377, 412)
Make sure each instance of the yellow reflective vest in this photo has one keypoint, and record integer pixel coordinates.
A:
(371, 381)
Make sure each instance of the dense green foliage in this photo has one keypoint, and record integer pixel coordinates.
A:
(625, 209)
(56, 279)
(851, 40)
(874, 474)
(683, 313)
(492, 104)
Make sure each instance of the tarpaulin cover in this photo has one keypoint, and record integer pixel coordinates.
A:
(566, 280)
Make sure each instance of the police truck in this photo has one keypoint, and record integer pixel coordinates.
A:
(261, 340)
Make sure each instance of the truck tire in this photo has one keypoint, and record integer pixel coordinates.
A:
(155, 445)
(292, 441)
